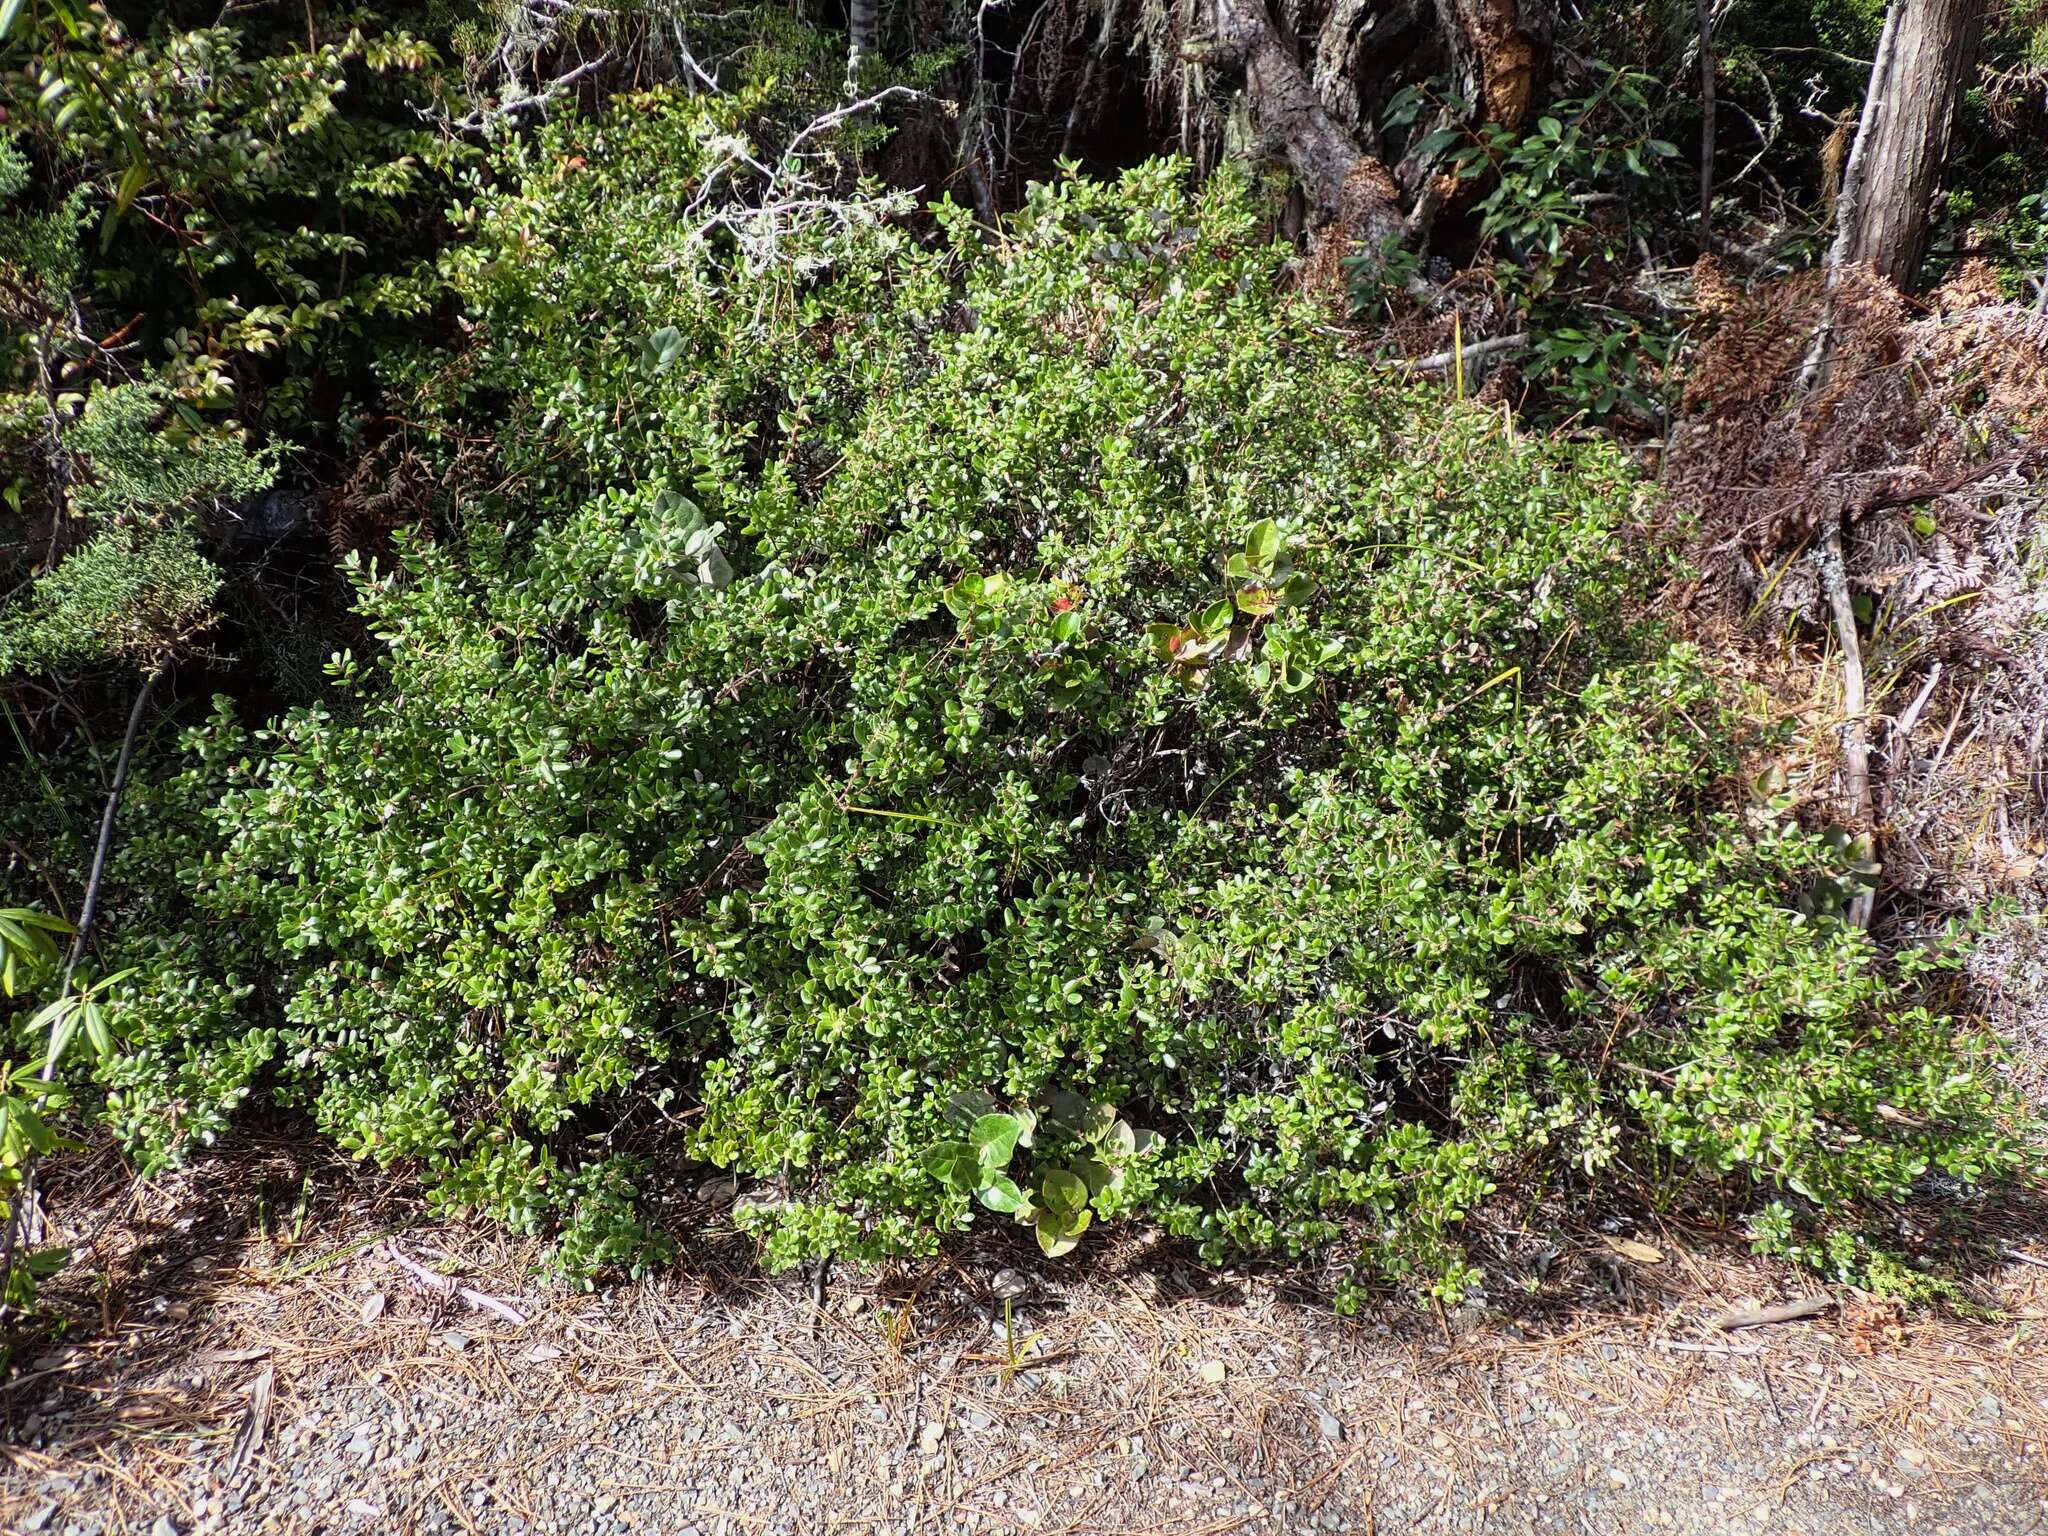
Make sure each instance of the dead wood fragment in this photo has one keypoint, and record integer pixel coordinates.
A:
(1436, 362)
(1782, 1312)
(446, 1286)
(254, 1426)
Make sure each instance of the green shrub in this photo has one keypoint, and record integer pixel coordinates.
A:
(138, 587)
(1047, 678)
(1564, 202)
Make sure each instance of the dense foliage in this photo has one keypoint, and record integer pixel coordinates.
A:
(1016, 674)
(950, 716)
(1581, 222)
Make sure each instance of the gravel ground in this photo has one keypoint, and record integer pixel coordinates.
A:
(219, 1377)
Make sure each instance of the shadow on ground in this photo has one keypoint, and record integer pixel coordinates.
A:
(277, 1339)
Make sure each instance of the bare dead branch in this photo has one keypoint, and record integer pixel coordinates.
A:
(1437, 362)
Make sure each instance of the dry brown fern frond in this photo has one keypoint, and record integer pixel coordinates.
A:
(1760, 338)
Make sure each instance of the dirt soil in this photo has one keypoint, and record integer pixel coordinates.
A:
(271, 1344)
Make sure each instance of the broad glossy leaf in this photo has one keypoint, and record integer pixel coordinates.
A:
(1097, 1175)
(1002, 1194)
(1058, 1234)
(659, 351)
(995, 1138)
(954, 1164)
(1434, 144)
(1065, 1111)
(1063, 1191)
(1262, 544)
(968, 1106)
(1257, 601)
(1297, 590)
(61, 1020)
(715, 571)
(964, 596)
(97, 1032)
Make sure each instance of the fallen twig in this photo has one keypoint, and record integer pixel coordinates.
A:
(1855, 722)
(916, 1411)
(1968, 478)
(446, 1286)
(1437, 361)
(1688, 1347)
(1903, 730)
(1782, 1312)
(255, 1425)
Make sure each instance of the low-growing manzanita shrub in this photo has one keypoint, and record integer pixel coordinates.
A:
(1033, 727)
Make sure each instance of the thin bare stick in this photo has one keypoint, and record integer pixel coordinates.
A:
(1704, 11)
(1855, 710)
(839, 115)
(1436, 362)
(1903, 731)
(25, 1208)
(254, 1427)
(91, 905)
(482, 117)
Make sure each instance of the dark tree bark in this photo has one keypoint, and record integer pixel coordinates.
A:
(1319, 112)
(1334, 68)
(1924, 60)
(1344, 184)
(1363, 51)
(1091, 75)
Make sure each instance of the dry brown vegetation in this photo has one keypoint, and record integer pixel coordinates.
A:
(1927, 441)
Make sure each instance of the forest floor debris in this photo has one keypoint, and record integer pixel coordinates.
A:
(247, 1314)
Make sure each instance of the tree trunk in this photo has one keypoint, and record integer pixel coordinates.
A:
(1923, 62)
(1345, 185)
(1498, 49)
(862, 30)
(1334, 70)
